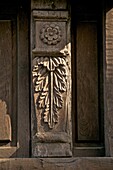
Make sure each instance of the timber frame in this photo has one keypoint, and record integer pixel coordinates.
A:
(45, 142)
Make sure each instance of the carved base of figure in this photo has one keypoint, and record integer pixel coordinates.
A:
(52, 150)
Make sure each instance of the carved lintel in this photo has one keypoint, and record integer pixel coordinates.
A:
(56, 15)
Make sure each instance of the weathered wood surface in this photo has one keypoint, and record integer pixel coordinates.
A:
(59, 164)
(51, 74)
(87, 81)
(49, 4)
(5, 123)
(7, 79)
(14, 69)
(109, 84)
(23, 130)
(6, 61)
(87, 54)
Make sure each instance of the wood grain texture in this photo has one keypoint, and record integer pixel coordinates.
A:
(58, 163)
(109, 83)
(51, 76)
(5, 123)
(7, 72)
(48, 4)
(14, 68)
(6, 63)
(87, 82)
(23, 131)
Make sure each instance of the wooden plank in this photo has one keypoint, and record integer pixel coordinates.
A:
(58, 163)
(23, 132)
(6, 79)
(109, 84)
(6, 63)
(87, 82)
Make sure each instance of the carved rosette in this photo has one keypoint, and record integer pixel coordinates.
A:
(49, 78)
(50, 34)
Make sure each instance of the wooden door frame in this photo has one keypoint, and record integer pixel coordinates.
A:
(20, 144)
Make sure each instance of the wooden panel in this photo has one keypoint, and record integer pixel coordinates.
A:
(87, 82)
(14, 84)
(6, 78)
(6, 63)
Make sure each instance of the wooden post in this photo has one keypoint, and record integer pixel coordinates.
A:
(51, 80)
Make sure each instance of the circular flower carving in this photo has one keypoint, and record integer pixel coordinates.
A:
(51, 34)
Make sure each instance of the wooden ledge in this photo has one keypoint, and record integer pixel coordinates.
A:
(100, 163)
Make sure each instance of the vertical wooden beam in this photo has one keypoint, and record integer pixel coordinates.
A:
(23, 139)
(51, 79)
(109, 82)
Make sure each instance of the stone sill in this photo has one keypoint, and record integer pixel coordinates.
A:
(100, 163)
